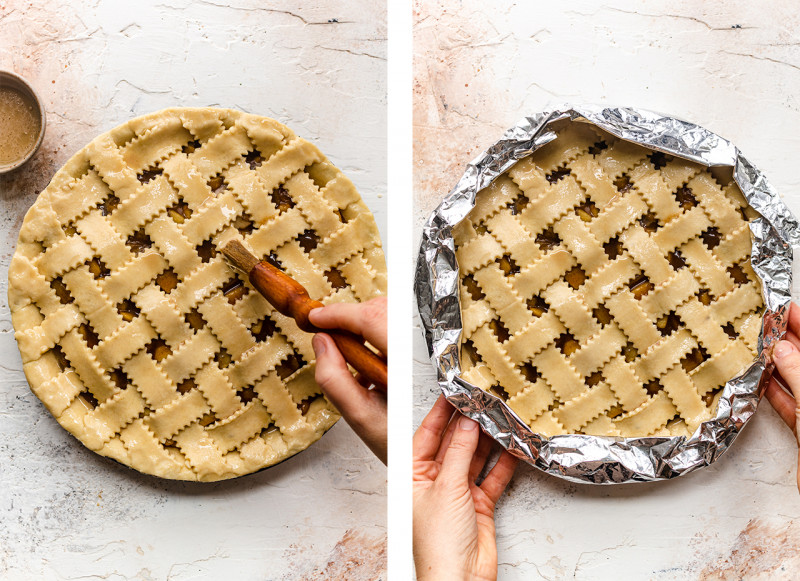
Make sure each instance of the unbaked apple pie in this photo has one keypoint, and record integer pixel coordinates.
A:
(135, 332)
(606, 288)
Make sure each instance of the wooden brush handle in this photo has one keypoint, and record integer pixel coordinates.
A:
(290, 298)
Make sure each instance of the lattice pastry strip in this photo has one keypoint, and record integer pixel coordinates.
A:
(670, 295)
(536, 336)
(683, 228)
(134, 331)
(189, 183)
(619, 158)
(655, 192)
(498, 195)
(579, 138)
(511, 235)
(478, 252)
(281, 405)
(552, 204)
(532, 401)
(249, 190)
(64, 207)
(155, 144)
(606, 288)
(617, 216)
(499, 364)
(365, 283)
(103, 155)
(144, 450)
(580, 410)
(150, 380)
(628, 389)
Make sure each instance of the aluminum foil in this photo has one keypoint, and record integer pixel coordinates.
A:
(596, 459)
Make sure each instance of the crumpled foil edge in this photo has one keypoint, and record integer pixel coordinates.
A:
(599, 459)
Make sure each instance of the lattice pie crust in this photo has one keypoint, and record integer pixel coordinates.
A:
(606, 289)
(137, 335)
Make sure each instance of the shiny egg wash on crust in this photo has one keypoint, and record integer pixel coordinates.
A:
(606, 288)
(134, 331)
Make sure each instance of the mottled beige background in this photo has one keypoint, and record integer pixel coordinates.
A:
(67, 513)
(732, 67)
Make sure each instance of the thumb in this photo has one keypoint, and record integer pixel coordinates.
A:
(336, 381)
(458, 457)
(787, 360)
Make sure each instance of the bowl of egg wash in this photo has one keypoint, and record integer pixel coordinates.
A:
(22, 121)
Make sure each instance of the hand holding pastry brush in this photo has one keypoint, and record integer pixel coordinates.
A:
(290, 298)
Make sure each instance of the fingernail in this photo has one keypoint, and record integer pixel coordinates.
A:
(782, 349)
(311, 314)
(318, 343)
(468, 425)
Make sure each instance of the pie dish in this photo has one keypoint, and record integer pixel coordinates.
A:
(606, 288)
(137, 335)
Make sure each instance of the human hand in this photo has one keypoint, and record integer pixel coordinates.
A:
(786, 355)
(364, 409)
(454, 533)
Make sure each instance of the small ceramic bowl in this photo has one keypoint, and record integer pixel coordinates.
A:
(13, 80)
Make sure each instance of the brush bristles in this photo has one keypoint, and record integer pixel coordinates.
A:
(239, 256)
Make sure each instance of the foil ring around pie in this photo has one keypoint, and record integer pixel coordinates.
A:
(513, 266)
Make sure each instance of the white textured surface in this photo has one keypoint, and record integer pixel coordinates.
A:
(66, 513)
(735, 70)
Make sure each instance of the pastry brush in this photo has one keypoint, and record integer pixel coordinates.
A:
(290, 298)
